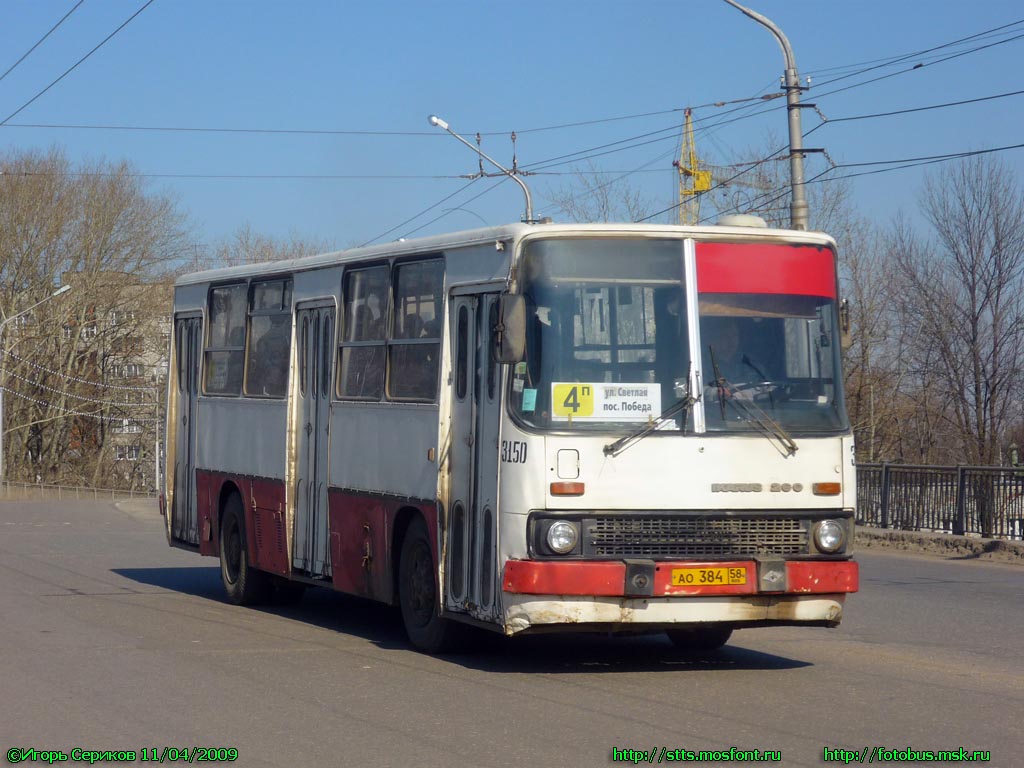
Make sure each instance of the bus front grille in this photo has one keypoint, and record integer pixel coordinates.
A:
(689, 536)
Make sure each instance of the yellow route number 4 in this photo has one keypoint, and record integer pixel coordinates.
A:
(572, 400)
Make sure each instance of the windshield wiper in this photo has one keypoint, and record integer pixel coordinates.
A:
(769, 427)
(683, 405)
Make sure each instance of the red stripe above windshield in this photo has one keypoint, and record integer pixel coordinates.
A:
(804, 270)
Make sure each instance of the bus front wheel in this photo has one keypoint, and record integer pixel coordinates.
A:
(698, 640)
(417, 593)
(244, 584)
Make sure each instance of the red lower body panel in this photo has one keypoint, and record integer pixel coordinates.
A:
(361, 527)
(263, 502)
(363, 542)
(608, 579)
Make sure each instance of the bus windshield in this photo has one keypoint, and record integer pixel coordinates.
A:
(606, 333)
(769, 337)
(607, 337)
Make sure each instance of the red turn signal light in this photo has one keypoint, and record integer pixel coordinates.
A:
(567, 489)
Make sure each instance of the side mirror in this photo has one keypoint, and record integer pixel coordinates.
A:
(509, 333)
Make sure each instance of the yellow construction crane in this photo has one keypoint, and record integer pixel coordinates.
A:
(694, 180)
(695, 176)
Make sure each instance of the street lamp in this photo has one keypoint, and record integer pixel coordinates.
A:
(3, 358)
(798, 211)
(437, 122)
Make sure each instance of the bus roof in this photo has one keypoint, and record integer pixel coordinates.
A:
(505, 233)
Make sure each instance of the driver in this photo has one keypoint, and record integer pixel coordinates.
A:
(722, 348)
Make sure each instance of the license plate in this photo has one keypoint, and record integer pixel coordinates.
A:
(706, 577)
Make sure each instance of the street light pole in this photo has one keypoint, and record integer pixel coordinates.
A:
(437, 122)
(798, 210)
(3, 360)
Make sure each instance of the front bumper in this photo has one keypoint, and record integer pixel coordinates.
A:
(608, 596)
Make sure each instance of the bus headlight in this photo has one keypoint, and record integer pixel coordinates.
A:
(562, 536)
(829, 536)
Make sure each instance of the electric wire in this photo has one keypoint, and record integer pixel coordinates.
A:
(919, 109)
(897, 165)
(40, 40)
(421, 213)
(331, 132)
(918, 54)
(240, 176)
(914, 68)
(451, 210)
(74, 66)
(896, 58)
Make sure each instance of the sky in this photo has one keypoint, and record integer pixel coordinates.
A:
(377, 69)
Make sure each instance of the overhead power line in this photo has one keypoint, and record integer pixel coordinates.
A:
(421, 213)
(826, 120)
(918, 54)
(40, 40)
(74, 66)
(897, 165)
(863, 66)
(333, 132)
(236, 176)
(448, 212)
(914, 68)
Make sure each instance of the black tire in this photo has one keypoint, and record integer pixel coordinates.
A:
(286, 591)
(244, 584)
(699, 640)
(417, 594)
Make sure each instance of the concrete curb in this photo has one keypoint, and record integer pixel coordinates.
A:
(941, 545)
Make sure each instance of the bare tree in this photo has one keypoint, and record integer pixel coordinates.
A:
(75, 367)
(249, 247)
(967, 307)
(595, 195)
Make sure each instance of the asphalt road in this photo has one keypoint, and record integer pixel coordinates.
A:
(110, 640)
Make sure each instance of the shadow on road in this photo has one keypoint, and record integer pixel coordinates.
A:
(202, 582)
(591, 653)
(551, 654)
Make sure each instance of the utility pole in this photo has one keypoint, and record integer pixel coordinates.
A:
(3, 360)
(798, 210)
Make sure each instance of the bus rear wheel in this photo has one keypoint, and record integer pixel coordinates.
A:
(417, 593)
(244, 584)
(699, 640)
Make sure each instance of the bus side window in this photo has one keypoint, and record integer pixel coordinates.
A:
(225, 346)
(414, 349)
(361, 358)
(270, 339)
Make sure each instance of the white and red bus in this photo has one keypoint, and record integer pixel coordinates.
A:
(533, 427)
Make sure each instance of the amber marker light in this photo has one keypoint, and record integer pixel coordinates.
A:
(567, 489)
(826, 489)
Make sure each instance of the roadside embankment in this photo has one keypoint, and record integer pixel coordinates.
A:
(941, 545)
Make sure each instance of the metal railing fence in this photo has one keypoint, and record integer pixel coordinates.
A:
(979, 501)
(43, 491)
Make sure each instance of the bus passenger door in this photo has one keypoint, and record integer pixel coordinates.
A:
(316, 352)
(472, 522)
(187, 339)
